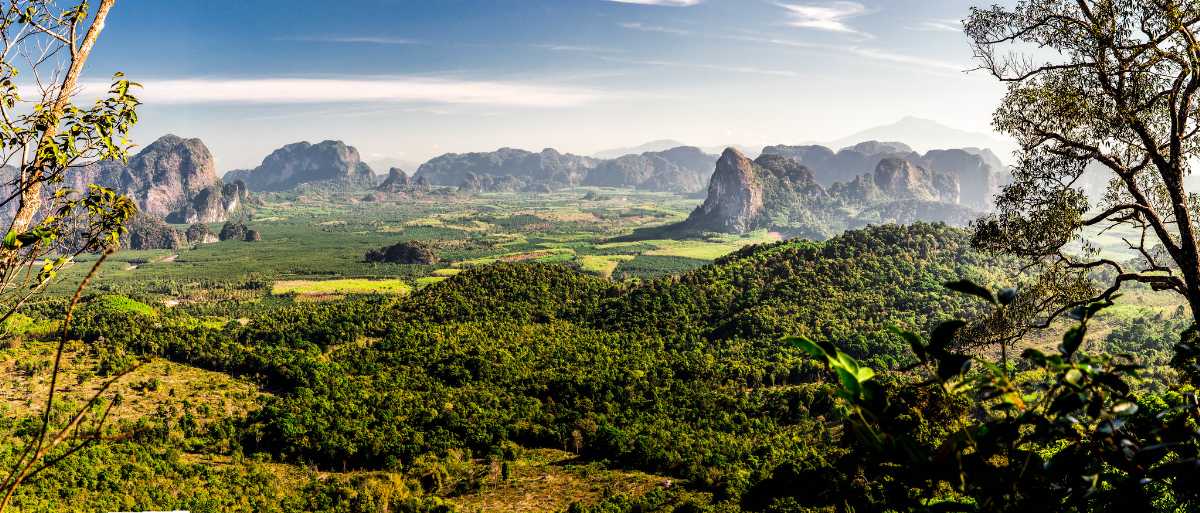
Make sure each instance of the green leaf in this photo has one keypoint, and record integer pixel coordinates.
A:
(848, 362)
(1072, 339)
(806, 345)
(914, 341)
(865, 374)
(970, 288)
(1034, 355)
(944, 333)
(1073, 376)
(952, 365)
(849, 381)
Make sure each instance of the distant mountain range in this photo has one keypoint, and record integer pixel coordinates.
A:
(328, 163)
(925, 135)
(175, 178)
(977, 171)
(662, 145)
(652, 146)
(682, 169)
(777, 192)
(917, 133)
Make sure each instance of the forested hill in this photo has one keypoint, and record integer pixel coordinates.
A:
(683, 376)
(848, 289)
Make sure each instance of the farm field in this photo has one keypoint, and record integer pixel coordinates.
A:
(313, 246)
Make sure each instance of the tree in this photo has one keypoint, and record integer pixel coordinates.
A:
(1071, 435)
(1110, 84)
(45, 136)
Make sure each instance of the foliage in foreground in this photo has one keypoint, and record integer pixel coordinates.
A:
(1067, 433)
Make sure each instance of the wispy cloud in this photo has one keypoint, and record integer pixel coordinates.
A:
(885, 55)
(668, 3)
(830, 16)
(346, 112)
(939, 25)
(858, 51)
(415, 90)
(634, 25)
(369, 40)
(575, 48)
(711, 67)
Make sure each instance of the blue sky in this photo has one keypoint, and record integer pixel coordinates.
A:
(407, 80)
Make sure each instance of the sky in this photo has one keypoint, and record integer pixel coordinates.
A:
(408, 80)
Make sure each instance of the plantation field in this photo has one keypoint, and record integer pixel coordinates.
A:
(342, 286)
(313, 245)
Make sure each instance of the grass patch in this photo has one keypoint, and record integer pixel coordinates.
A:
(342, 286)
(604, 265)
(545, 255)
(549, 480)
(122, 304)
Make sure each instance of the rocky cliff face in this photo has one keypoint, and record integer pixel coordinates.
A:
(474, 184)
(735, 196)
(830, 168)
(396, 181)
(150, 232)
(165, 176)
(172, 178)
(329, 163)
(213, 204)
(684, 169)
(169, 178)
(977, 171)
(900, 179)
(780, 193)
(549, 167)
(947, 188)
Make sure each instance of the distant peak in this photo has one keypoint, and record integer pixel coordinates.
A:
(732, 153)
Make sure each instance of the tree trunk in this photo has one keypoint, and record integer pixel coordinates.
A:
(31, 195)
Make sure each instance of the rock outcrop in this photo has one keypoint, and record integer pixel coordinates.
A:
(549, 167)
(325, 164)
(397, 181)
(780, 193)
(163, 178)
(233, 231)
(172, 178)
(150, 232)
(977, 171)
(735, 197)
(829, 167)
(684, 169)
(408, 252)
(200, 233)
(900, 179)
(213, 204)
